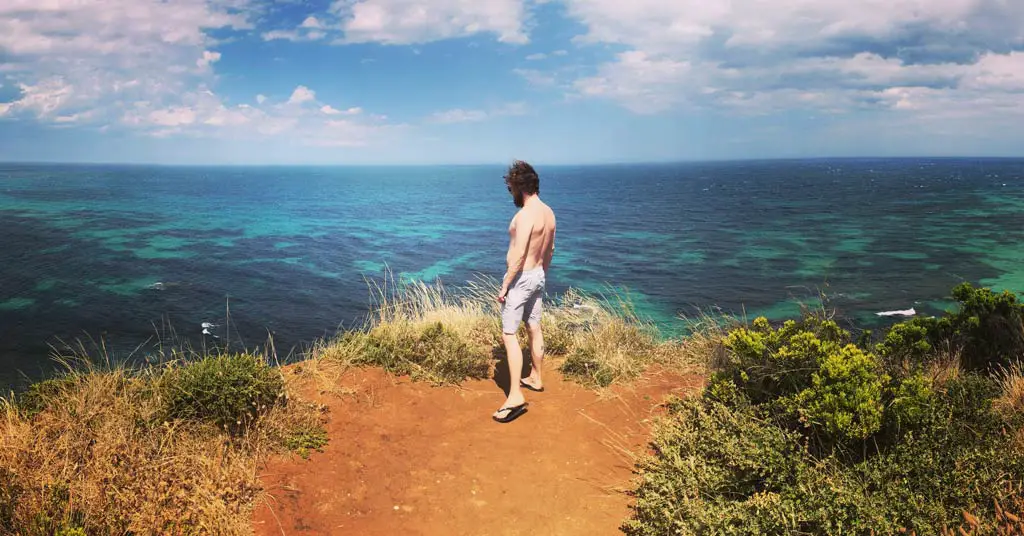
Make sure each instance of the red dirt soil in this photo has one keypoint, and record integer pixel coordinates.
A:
(412, 459)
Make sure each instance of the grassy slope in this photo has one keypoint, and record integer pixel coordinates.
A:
(160, 448)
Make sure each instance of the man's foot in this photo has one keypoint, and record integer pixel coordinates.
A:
(509, 413)
(532, 384)
(512, 408)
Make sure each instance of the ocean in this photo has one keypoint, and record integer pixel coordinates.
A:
(116, 255)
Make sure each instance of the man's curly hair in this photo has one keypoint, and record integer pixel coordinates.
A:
(522, 178)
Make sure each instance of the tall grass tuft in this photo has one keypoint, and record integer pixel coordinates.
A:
(116, 450)
(444, 336)
(609, 342)
(420, 330)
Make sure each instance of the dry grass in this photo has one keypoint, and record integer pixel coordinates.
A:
(1011, 381)
(598, 339)
(612, 343)
(96, 455)
(95, 451)
(1008, 521)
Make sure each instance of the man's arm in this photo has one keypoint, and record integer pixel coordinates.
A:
(520, 245)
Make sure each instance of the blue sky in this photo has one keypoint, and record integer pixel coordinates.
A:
(486, 81)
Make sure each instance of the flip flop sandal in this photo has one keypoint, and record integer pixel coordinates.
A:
(513, 413)
(530, 387)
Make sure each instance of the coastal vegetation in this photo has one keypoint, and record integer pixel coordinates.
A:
(804, 430)
(169, 449)
(174, 448)
(803, 427)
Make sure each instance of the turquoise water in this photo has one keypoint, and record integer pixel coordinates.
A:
(114, 252)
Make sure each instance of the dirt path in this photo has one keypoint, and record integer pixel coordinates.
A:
(407, 458)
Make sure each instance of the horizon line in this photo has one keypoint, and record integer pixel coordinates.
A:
(497, 163)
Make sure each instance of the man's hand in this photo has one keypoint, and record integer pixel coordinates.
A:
(501, 295)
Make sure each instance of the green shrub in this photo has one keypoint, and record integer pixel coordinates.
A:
(955, 459)
(305, 439)
(10, 493)
(913, 399)
(56, 515)
(845, 397)
(907, 344)
(230, 391)
(433, 352)
(987, 329)
(39, 395)
(767, 364)
(722, 470)
(717, 468)
(989, 326)
(808, 372)
(800, 431)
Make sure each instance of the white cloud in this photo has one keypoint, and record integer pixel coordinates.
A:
(286, 35)
(173, 117)
(303, 33)
(43, 99)
(260, 99)
(311, 22)
(459, 115)
(207, 59)
(536, 57)
(205, 114)
(73, 118)
(403, 22)
(301, 94)
(329, 110)
(831, 55)
(535, 77)
(107, 54)
(643, 84)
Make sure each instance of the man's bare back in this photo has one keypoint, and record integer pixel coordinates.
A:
(534, 224)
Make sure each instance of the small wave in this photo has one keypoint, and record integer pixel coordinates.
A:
(904, 312)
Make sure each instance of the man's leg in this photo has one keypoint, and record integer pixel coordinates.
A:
(534, 310)
(511, 316)
(537, 354)
(514, 355)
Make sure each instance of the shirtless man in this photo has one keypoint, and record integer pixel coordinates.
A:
(532, 234)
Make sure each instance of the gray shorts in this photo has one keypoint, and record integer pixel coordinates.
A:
(523, 301)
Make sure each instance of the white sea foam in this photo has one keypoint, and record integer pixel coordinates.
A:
(905, 312)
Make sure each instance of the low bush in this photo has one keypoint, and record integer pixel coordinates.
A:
(612, 350)
(808, 372)
(304, 439)
(103, 454)
(802, 430)
(718, 469)
(38, 395)
(431, 352)
(230, 391)
(987, 330)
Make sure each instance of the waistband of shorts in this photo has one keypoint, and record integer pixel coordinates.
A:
(533, 271)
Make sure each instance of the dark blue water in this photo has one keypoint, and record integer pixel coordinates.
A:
(290, 250)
